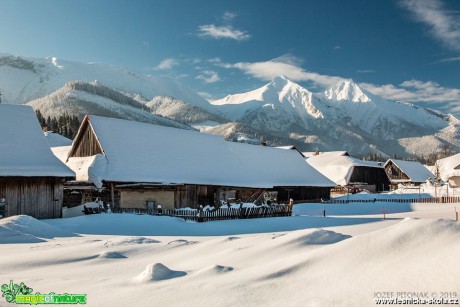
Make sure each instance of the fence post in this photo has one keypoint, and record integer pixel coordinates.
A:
(200, 214)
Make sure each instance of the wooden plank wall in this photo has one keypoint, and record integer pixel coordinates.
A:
(302, 193)
(372, 176)
(87, 145)
(39, 197)
(394, 172)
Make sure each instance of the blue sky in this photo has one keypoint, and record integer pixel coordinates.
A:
(402, 50)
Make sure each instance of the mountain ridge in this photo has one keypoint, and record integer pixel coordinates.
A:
(351, 117)
(343, 117)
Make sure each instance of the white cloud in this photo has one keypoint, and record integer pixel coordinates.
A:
(428, 92)
(214, 60)
(337, 47)
(286, 65)
(416, 91)
(209, 76)
(218, 32)
(443, 24)
(229, 16)
(226, 31)
(166, 64)
(448, 60)
(365, 71)
(206, 95)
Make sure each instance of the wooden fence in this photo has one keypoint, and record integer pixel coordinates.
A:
(441, 200)
(216, 215)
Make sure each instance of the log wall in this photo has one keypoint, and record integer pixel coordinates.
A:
(39, 197)
(371, 176)
(394, 173)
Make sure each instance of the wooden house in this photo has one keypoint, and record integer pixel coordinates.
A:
(350, 173)
(407, 172)
(31, 177)
(139, 165)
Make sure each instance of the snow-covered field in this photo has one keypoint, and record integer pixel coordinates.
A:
(348, 258)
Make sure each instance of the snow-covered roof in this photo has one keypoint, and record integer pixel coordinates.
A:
(24, 151)
(448, 167)
(338, 168)
(61, 152)
(291, 147)
(56, 140)
(140, 152)
(416, 172)
(309, 154)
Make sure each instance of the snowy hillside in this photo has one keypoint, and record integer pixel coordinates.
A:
(181, 111)
(344, 117)
(25, 79)
(81, 98)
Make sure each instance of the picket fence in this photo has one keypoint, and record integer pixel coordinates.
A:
(215, 215)
(441, 200)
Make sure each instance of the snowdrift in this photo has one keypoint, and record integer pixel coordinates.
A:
(26, 229)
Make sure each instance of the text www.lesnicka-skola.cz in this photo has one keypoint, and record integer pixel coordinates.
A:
(416, 298)
(416, 301)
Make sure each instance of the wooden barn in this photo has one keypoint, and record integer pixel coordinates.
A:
(348, 172)
(448, 170)
(407, 172)
(139, 165)
(31, 177)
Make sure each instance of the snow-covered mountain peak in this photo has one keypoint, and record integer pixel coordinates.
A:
(282, 84)
(347, 90)
(290, 101)
(279, 82)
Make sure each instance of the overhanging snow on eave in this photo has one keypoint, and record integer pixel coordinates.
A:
(130, 184)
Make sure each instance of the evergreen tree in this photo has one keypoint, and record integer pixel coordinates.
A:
(48, 122)
(65, 124)
(41, 119)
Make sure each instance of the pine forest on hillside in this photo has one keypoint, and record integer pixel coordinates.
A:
(65, 124)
